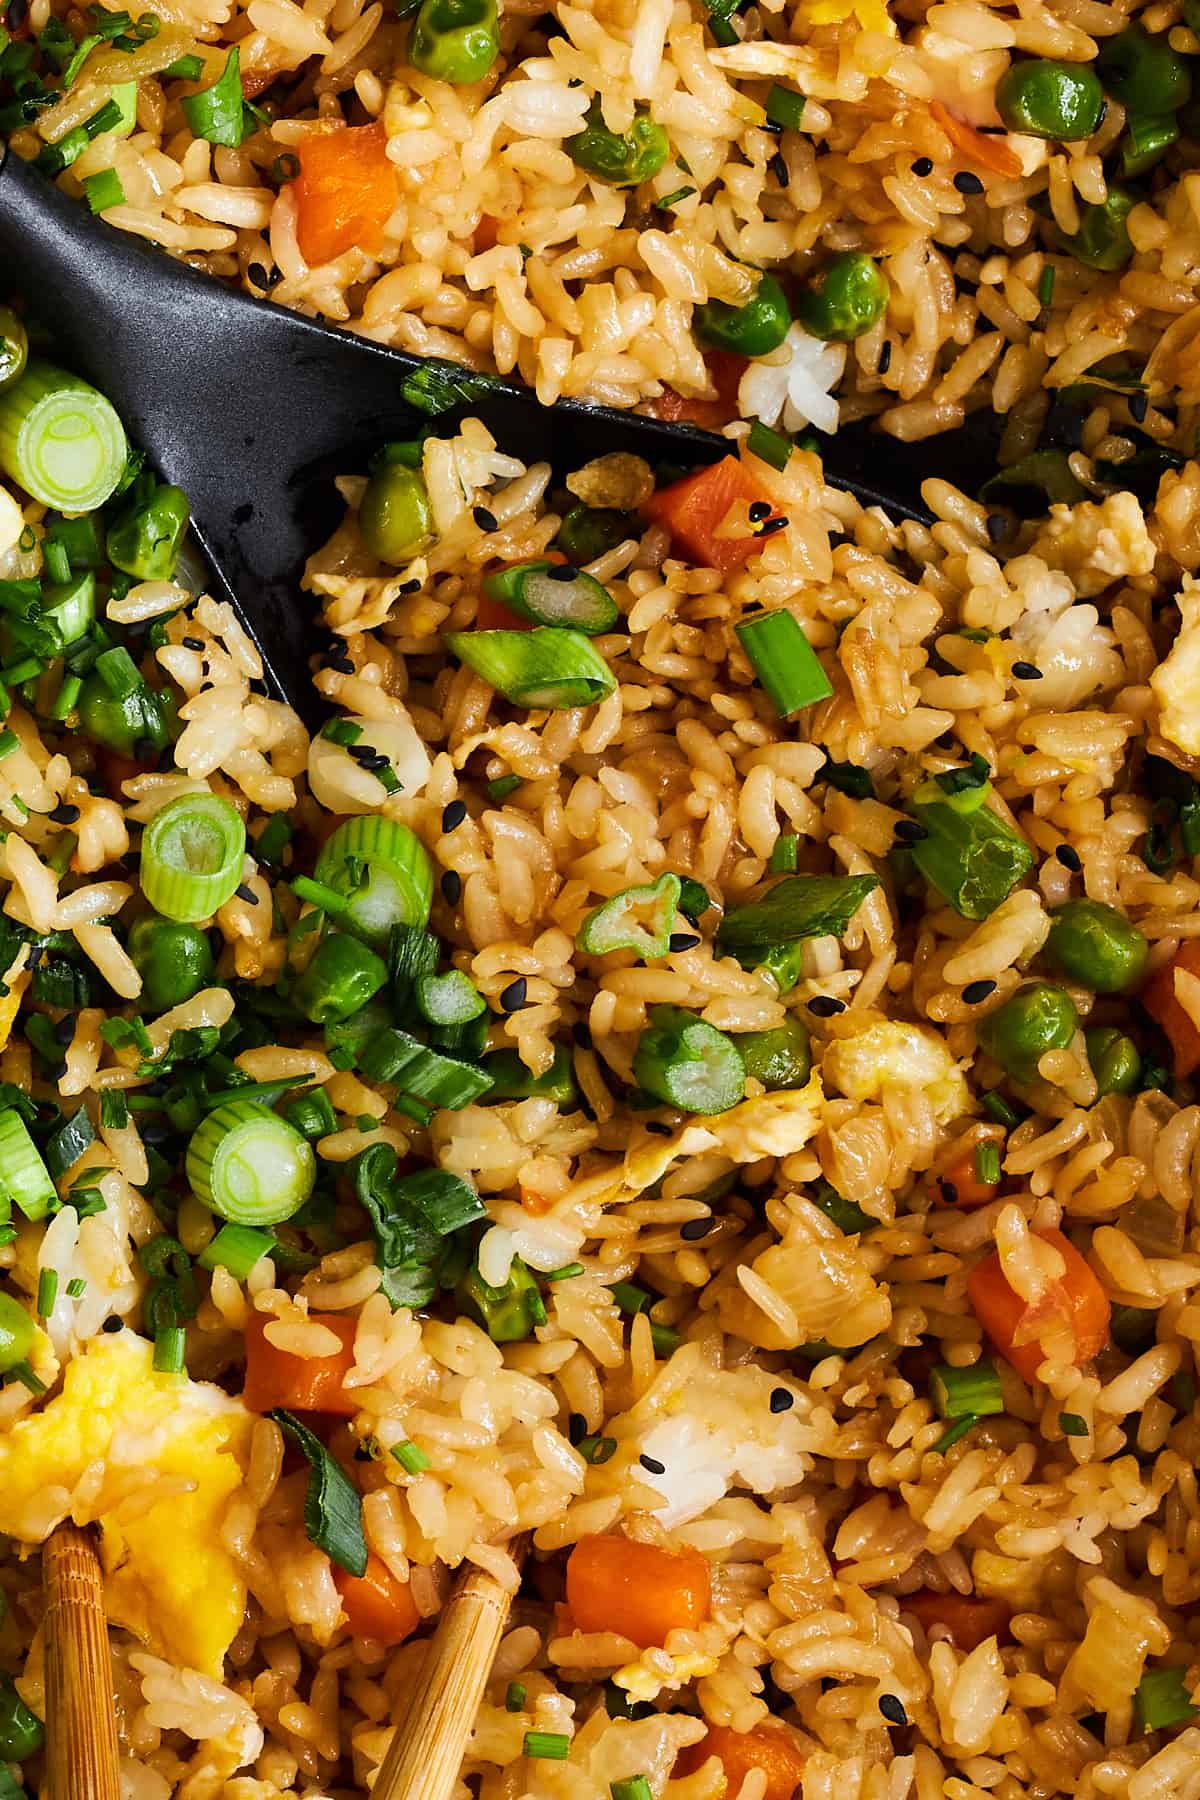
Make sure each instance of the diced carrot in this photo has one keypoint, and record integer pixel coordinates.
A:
(969, 1621)
(615, 1584)
(768, 1747)
(376, 1605)
(1077, 1299)
(345, 192)
(977, 146)
(493, 615)
(276, 1377)
(693, 509)
(485, 235)
(257, 81)
(115, 767)
(958, 1184)
(725, 370)
(1160, 1001)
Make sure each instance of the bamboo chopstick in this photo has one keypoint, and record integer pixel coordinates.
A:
(81, 1721)
(426, 1753)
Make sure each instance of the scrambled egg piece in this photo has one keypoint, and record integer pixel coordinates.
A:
(1176, 681)
(888, 1054)
(169, 1578)
(1096, 543)
(643, 1683)
(872, 15)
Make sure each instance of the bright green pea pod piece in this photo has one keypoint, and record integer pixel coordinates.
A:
(1116, 1062)
(547, 667)
(549, 593)
(1103, 241)
(394, 516)
(974, 859)
(686, 1062)
(638, 919)
(1143, 72)
(145, 540)
(779, 1058)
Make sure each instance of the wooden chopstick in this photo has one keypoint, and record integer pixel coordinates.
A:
(81, 1720)
(426, 1753)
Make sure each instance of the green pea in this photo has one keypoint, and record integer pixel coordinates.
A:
(1037, 1018)
(393, 515)
(1103, 241)
(1147, 141)
(589, 531)
(455, 40)
(1096, 945)
(145, 540)
(848, 296)
(339, 978)
(21, 1731)
(751, 330)
(779, 1058)
(1045, 99)
(16, 1336)
(174, 961)
(624, 159)
(14, 347)
(1143, 72)
(1115, 1061)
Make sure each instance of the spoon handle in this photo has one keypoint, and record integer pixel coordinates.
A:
(426, 1753)
(81, 1734)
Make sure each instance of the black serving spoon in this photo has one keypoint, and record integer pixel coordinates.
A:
(253, 409)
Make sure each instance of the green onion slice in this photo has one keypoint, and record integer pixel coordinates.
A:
(966, 1393)
(547, 1746)
(395, 1056)
(193, 853)
(421, 1223)
(250, 1166)
(771, 446)
(784, 661)
(540, 668)
(512, 1080)
(635, 1788)
(637, 919)
(60, 439)
(332, 1507)
(24, 1177)
(381, 872)
(973, 859)
(411, 1457)
(67, 1145)
(785, 107)
(449, 999)
(1161, 1698)
(547, 593)
(685, 1062)
(238, 1248)
(785, 855)
(799, 906)
(103, 190)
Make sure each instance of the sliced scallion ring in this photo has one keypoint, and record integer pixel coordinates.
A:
(544, 667)
(193, 852)
(382, 873)
(249, 1166)
(60, 439)
(554, 594)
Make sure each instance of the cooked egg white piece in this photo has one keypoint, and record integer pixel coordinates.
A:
(887, 1054)
(1176, 681)
(97, 1451)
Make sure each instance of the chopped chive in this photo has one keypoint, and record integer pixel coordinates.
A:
(114, 1109)
(547, 1746)
(76, 1288)
(636, 1787)
(170, 1343)
(785, 107)
(784, 661)
(987, 1164)
(966, 1393)
(1071, 1425)
(514, 1699)
(958, 1430)
(597, 1450)
(1045, 286)
(411, 1457)
(1000, 1109)
(185, 68)
(629, 1298)
(565, 1273)
(784, 856)
(24, 1374)
(770, 446)
(103, 190)
(47, 1292)
(664, 1339)
(503, 786)
(673, 198)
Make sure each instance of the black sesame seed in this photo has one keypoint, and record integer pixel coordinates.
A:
(782, 1400)
(486, 521)
(37, 953)
(779, 168)
(910, 831)
(576, 1427)
(998, 526)
(1026, 671)
(453, 815)
(341, 662)
(759, 510)
(452, 886)
(64, 1031)
(652, 1464)
(657, 1128)
(949, 1192)
(975, 991)
(1069, 858)
(361, 753)
(562, 572)
(968, 183)
(683, 940)
(992, 130)
(771, 526)
(1139, 406)
(258, 275)
(581, 1032)
(885, 357)
(246, 893)
(64, 814)
(112, 1323)
(923, 166)
(193, 643)
(60, 1071)
(694, 1229)
(512, 999)
(892, 1709)
(410, 587)
(825, 1006)
(362, 1454)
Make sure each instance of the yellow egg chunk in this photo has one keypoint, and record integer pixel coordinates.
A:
(119, 1429)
